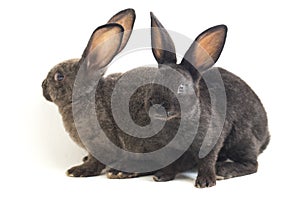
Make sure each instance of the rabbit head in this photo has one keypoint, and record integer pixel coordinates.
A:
(105, 42)
(183, 78)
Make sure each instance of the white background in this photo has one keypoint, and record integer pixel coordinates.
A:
(262, 48)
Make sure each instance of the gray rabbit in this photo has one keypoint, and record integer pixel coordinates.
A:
(59, 84)
(244, 134)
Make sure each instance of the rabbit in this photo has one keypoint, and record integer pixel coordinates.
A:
(59, 83)
(59, 86)
(245, 132)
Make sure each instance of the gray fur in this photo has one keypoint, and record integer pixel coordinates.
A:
(61, 92)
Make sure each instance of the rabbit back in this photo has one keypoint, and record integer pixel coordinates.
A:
(246, 121)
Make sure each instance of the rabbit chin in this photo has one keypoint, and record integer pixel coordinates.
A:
(47, 97)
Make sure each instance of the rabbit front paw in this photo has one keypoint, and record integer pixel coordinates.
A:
(115, 174)
(207, 180)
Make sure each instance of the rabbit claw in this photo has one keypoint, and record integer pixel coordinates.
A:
(205, 181)
(115, 174)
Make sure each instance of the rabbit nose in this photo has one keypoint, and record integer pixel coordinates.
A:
(157, 111)
(160, 110)
(44, 84)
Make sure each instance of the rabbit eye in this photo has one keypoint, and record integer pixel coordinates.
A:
(181, 89)
(59, 76)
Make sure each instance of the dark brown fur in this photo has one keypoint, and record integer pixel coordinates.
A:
(245, 132)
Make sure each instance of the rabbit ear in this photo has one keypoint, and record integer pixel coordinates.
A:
(102, 48)
(162, 45)
(126, 19)
(206, 49)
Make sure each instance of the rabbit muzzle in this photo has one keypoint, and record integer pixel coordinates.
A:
(45, 91)
(158, 112)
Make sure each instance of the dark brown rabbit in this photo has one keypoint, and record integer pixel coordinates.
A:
(105, 42)
(244, 133)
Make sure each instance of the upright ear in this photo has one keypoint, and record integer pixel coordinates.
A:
(206, 49)
(126, 19)
(102, 48)
(162, 45)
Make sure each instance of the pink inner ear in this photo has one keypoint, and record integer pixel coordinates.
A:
(213, 43)
(126, 19)
(102, 47)
(207, 48)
